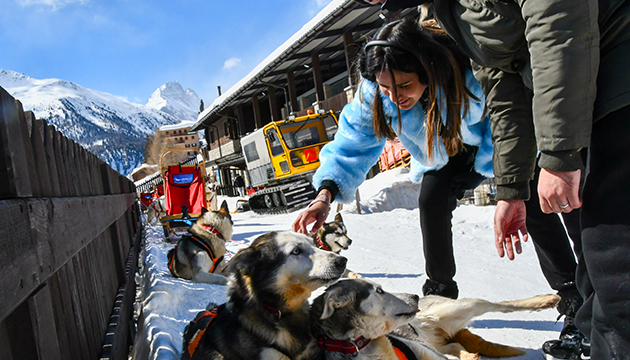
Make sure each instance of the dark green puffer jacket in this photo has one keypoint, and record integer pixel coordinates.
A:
(564, 62)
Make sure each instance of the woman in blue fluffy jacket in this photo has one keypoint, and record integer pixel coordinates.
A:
(416, 85)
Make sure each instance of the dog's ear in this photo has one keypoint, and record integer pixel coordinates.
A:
(243, 260)
(338, 218)
(334, 299)
(203, 210)
(224, 208)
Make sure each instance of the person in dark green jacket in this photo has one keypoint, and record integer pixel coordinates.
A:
(553, 248)
(556, 74)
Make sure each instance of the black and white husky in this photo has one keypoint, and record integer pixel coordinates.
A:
(332, 236)
(199, 255)
(267, 312)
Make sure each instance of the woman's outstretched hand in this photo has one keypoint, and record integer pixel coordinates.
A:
(316, 212)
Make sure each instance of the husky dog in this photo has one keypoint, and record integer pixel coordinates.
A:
(332, 236)
(199, 255)
(441, 323)
(354, 319)
(266, 314)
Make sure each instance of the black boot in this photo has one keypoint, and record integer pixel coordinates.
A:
(449, 289)
(572, 344)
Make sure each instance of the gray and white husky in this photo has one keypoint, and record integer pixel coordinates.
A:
(354, 319)
(357, 311)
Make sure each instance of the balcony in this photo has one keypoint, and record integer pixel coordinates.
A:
(224, 150)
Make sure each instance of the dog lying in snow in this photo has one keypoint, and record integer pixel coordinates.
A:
(354, 318)
(358, 313)
(199, 255)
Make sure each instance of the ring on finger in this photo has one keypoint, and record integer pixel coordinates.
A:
(564, 206)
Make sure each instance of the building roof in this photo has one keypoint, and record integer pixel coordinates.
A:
(181, 125)
(322, 35)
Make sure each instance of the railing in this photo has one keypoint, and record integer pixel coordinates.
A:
(334, 103)
(69, 238)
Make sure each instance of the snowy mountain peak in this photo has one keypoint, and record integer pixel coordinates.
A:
(173, 99)
(14, 78)
(110, 127)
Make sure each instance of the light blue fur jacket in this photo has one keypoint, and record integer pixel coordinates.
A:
(348, 158)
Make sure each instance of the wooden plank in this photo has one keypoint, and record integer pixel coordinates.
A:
(65, 164)
(15, 180)
(26, 127)
(95, 174)
(76, 174)
(101, 277)
(19, 274)
(82, 171)
(61, 164)
(51, 157)
(5, 345)
(73, 327)
(68, 166)
(84, 301)
(20, 333)
(118, 251)
(39, 236)
(38, 131)
(44, 328)
(61, 320)
(106, 179)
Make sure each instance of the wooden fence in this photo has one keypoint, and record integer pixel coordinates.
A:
(69, 236)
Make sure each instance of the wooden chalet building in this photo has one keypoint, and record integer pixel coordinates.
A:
(312, 70)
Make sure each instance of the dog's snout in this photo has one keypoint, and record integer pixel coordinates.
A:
(349, 241)
(341, 262)
(415, 298)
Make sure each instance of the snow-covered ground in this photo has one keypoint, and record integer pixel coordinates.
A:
(386, 248)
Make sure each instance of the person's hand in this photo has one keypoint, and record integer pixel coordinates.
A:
(317, 212)
(509, 220)
(558, 191)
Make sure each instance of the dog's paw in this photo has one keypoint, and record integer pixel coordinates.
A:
(221, 280)
(353, 275)
(464, 355)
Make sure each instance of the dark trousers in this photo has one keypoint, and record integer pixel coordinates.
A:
(604, 268)
(553, 247)
(439, 192)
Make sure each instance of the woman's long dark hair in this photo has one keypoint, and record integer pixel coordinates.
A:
(428, 52)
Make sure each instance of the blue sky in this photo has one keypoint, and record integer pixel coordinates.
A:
(130, 48)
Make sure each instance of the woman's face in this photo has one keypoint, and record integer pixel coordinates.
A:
(408, 88)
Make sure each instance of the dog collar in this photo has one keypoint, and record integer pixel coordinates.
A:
(213, 230)
(275, 312)
(321, 244)
(342, 346)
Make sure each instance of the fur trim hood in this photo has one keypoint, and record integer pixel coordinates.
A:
(348, 158)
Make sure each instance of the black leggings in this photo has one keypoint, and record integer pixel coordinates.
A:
(604, 268)
(439, 192)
